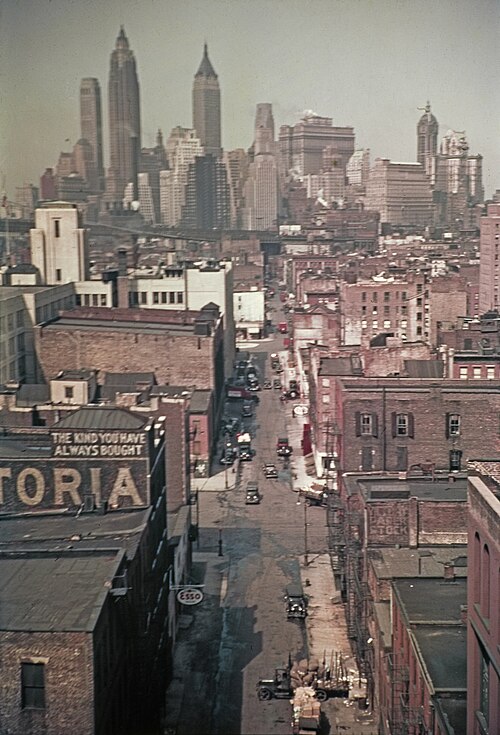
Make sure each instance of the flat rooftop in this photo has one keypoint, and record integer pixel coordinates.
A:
(444, 651)
(88, 531)
(91, 325)
(422, 562)
(386, 488)
(431, 600)
(56, 592)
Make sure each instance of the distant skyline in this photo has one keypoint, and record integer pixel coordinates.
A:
(366, 63)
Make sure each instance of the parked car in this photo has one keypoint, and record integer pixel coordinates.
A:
(231, 426)
(228, 456)
(247, 410)
(283, 448)
(252, 496)
(277, 384)
(270, 471)
(296, 602)
(267, 384)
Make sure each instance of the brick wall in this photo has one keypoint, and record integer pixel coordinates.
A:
(69, 687)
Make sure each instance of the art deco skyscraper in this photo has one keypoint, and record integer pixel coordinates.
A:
(261, 186)
(206, 106)
(124, 119)
(427, 134)
(91, 129)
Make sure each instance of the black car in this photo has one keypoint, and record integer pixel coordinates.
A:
(252, 496)
(296, 602)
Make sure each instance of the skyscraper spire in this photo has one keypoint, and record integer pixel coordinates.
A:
(206, 106)
(124, 119)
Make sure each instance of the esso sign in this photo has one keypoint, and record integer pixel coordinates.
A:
(190, 596)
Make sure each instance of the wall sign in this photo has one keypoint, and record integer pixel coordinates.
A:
(190, 596)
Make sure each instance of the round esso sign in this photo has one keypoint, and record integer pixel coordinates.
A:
(190, 596)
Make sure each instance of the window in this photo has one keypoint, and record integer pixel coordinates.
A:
(419, 302)
(163, 297)
(156, 297)
(68, 391)
(57, 228)
(419, 288)
(95, 299)
(464, 373)
(180, 297)
(33, 685)
(476, 373)
(484, 687)
(387, 323)
(58, 274)
(455, 460)
(363, 323)
(366, 424)
(401, 459)
(363, 310)
(374, 310)
(144, 297)
(476, 565)
(403, 424)
(171, 297)
(366, 459)
(490, 373)
(485, 583)
(403, 295)
(453, 424)
(387, 296)
(325, 398)
(387, 310)
(374, 296)
(20, 320)
(363, 296)
(325, 382)
(375, 324)
(419, 331)
(103, 299)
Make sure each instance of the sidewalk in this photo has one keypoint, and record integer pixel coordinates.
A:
(326, 623)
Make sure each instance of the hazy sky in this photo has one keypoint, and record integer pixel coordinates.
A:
(365, 63)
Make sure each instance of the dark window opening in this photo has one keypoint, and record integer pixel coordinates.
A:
(33, 685)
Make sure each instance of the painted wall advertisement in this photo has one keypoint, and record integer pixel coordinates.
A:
(110, 465)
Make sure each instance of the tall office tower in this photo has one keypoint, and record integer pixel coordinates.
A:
(144, 197)
(427, 134)
(301, 146)
(489, 260)
(236, 162)
(183, 146)
(27, 198)
(264, 129)
(91, 129)
(358, 168)
(400, 192)
(154, 160)
(261, 187)
(58, 244)
(83, 162)
(124, 121)
(207, 204)
(206, 106)
(48, 185)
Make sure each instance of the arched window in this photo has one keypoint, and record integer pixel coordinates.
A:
(485, 583)
(476, 566)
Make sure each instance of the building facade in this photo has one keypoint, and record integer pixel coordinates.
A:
(489, 262)
(124, 121)
(59, 247)
(206, 106)
(400, 192)
(91, 130)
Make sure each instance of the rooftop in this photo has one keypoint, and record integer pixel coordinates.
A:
(444, 651)
(391, 488)
(117, 530)
(421, 562)
(101, 417)
(431, 600)
(59, 591)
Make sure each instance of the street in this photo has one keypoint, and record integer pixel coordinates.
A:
(261, 548)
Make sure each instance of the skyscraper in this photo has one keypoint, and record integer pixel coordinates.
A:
(124, 120)
(261, 186)
(427, 134)
(206, 106)
(489, 252)
(91, 129)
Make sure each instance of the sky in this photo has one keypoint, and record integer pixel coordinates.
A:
(369, 64)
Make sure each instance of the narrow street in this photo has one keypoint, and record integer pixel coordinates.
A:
(246, 555)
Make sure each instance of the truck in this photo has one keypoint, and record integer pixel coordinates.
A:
(283, 328)
(240, 392)
(283, 448)
(327, 681)
(245, 451)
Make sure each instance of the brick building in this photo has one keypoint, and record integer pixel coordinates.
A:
(181, 348)
(83, 521)
(426, 671)
(483, 653)
(396, 424)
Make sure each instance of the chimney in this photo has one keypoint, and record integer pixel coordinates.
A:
(122, 282)
(449, 572)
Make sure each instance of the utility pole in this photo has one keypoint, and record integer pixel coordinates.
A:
(306, 558)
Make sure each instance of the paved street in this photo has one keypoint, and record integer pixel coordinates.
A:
(240, 632)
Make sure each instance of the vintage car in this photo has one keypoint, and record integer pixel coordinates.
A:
(296, 602)
(270, 471)
(252, 495)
